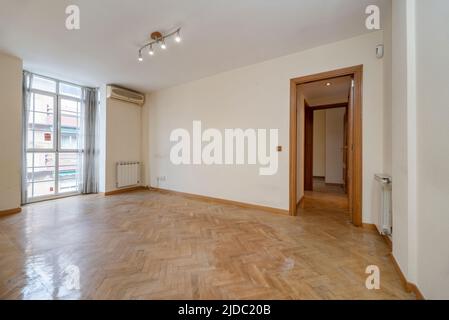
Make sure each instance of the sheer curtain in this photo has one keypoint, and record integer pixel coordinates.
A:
(26, 88)
(91, 152)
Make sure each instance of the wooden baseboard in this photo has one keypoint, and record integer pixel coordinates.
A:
(409, 287)
(10, 212)
(373, 227)
(399, 271)
(413, 288)
(222, 201)
(124, 190)
(388, 241)
(370, 226)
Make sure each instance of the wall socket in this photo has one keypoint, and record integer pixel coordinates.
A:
(162, 178)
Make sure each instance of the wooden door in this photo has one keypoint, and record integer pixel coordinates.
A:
(308, 149)
(345, 151)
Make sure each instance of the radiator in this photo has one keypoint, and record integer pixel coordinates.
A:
(386, 219)
(128, 173)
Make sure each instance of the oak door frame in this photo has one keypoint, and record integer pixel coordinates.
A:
(355, 138)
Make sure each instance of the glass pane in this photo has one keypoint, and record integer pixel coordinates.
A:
(40, 118)
(68, 185)
(41, 122)
(43, 167)
(29, 163)
(30, 139)
(44, 159)
(42, 103)
(70, 107)
(46, 188)
(69, 164)
(41, 174)
(43, 139)
(70, 124)
(70, 90)
(30, 160)
(29, 190)
(29, 174)
(43, 84)
(69, 140)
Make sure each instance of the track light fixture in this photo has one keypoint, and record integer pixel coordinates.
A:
(158, 38)
(163, 46)
(178, 37)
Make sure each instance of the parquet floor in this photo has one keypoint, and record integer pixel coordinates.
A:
(152, 245)
(319, 185)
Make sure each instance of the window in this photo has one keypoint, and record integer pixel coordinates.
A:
(44, 84)
(54, 139)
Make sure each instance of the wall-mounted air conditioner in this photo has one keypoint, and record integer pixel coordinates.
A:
(119, 93)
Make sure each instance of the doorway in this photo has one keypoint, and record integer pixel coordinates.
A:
(347, 171)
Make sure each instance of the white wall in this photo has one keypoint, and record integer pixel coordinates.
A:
(432, 39)
(319, 143)
(387, 91)
(334, 145)
(403, 139)
(123, 137)
(10, 131)
(258, 96)
(420, 152)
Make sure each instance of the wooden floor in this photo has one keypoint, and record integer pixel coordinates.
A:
(152, 245)
(319, 185)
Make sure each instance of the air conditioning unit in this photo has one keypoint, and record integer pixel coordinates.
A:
(114, 92)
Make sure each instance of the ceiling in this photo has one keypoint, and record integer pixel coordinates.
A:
(319, 93)
(218, 35)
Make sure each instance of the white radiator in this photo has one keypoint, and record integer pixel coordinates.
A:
(386, 219)
(128, 173)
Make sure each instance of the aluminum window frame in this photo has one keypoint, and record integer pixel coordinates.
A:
(56, 149)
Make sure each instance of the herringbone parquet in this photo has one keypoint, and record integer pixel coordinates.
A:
(153, 245)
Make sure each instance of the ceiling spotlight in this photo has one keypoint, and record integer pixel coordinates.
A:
(163, 46)
(328, 84)
(158, 39)
(178, 37)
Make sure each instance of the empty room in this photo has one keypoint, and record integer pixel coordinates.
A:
(224, 150)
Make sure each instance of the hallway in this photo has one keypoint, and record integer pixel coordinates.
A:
(320, 186)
